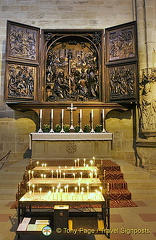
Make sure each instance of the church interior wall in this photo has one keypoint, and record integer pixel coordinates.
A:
(59, 14)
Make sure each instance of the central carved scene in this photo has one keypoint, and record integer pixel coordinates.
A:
(72, 67)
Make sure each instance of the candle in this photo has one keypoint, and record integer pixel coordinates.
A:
(75, 189)
(94, 160)
(60, 173)
(80, 114)
(79, 186)
(75, 162)
(100, 189)
(37, 163)
(29, 184)
(64, 174)
(42, 176)
(29, 174)
(62, 113)
(67, 188)
(107, 187)
(57, 173)
(104, 175)
(42, 164)
(51, 113)
(32, 173)
(103, 113)
(45, 165)
(95, 174)
(84, 160)
(92, 114)
(40, 113)
(81, 174)
(52, 173)
(78, 161)
(91, 162)
(74, 175)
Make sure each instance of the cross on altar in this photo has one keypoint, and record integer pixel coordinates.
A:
(71, 109)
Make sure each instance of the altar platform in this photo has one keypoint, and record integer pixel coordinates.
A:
(51, 146)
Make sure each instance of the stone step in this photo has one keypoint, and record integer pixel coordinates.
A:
(141, 184)
(6, 194)
(139, 194)
(136, 175)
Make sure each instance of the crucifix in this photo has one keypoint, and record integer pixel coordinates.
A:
(71, 109)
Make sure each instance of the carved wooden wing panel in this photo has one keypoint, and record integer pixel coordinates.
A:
(121, 63)
(22, 62)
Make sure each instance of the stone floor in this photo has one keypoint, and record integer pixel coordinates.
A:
(134, 223)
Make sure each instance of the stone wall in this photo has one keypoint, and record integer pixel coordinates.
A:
(62, 14)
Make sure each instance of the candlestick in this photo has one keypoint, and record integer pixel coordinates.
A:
(64, 174)
(40, 129)
(52, 173)
(42, 176)
(81, 174)
(51, 130)
(60, 173)
(74, 175)
(103, 120)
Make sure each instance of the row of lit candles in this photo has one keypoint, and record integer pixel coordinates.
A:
(76, 163)
(59, 174)
(66, 188)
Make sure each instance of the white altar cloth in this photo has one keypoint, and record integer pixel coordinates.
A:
(70, 137)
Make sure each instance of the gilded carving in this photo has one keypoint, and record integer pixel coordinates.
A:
(22, 42)
(122, 82)
(148, 100)
(21, 81)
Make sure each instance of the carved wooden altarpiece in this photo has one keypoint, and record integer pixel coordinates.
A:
(52, 68)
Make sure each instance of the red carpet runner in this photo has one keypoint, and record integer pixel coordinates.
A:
(120, 196)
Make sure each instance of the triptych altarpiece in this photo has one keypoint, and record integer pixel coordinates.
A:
(60, 66)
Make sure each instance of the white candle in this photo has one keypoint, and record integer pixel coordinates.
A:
(64, 174)
(75, 162)
(81, 174)
(33, 186)
(57, 173)
(32, 173)
(60, 173)
(84, 162)
(91, 162)
(42, 176)
(75, 189)
(40, 113)
(52, 173)
(103, 113)
(29, 174)
(79, 186)
(62, 113)
(74, 175)
(100, 189)
(92, 113)
(52, 114)
(67, 188)
(78, 161)
(80, 113)
(37, 163)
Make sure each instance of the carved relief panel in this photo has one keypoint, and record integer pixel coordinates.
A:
(121, 63)
(22, 61)
(73, 71)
